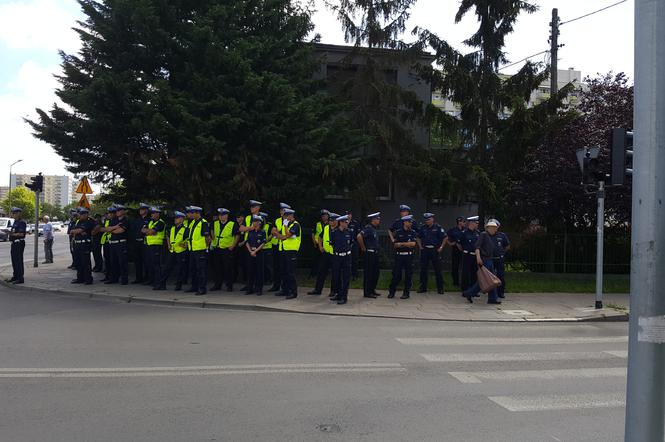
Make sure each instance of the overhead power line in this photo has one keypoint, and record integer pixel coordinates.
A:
(594, 12)
(524, 59)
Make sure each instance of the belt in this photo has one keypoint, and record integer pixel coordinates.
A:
(81, 241)
(498, 257)
(342, 254)
(138, 239)
(117, 241)
(429, 247)
(468, 253)
(371, 250)
(18, 240)
(405, 253)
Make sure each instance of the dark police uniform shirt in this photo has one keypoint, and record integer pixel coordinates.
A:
(136, 225)
(403, 235)
(124, 222)
(87, 227)
(455, 235)
(19, 226)
(469, 239)
(294, 228)
(398, 223)
(432, 236)
(500, 241)
(256, 238)
(341, 240)
(70, 226)
(370, 237)
(354, 228)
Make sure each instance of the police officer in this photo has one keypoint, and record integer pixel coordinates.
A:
(501, 246)
(326, 258)
(17, 237)
(97, 245)
(468, 241)
(154, 233)
(431, 239)
(118, 228)
(316, 234)
(405, 242)
(141, 253)
(82, 239)
(177, 260)
(267, 249)
(354, 227)
(277, 249)
(199, 241)
(256, 240)
(245, 228)
(454, 238)
(290, 237)
(73, 216)
(239, 252)
(105, 242)
(368, 241)
(224, 241)
(342, 241)
(404, 210)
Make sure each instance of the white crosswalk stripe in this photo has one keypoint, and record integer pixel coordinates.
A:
(560, 402)
(477, 377)
(515, 341)
(502, 357)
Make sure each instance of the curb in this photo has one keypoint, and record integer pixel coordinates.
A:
(257, 308)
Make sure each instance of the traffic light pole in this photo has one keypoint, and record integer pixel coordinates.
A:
(645, 399)
(600, 231)
(36, 260)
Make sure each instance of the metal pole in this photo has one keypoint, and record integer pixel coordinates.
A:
(600, 230)
(36, 261)
(554, 52)
(645, 399)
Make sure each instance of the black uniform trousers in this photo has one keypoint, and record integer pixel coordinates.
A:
(455, 263)
(119, 270)
(403, 263)
(97, 254)
(83, 264)
(155, 263)
(432, 255)
(17, 248)
(288, 263)
(316, 263)
(176, 264)
(355, 252)
(222, 263)
(469, 269)
(108, 262)
(256, 271)
(371, 272)
(276, 268)
(142, 262)
(325, 263)
(341, 275)
(500, 272)
(71, 251)
(267, 265)
(198, 270)
(240, 263)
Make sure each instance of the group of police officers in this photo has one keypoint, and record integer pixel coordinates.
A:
(266, 251)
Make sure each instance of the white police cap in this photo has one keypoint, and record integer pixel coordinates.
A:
(407, 218)
(404, 207)
(473, 218)
(255, 203)
(428, 215)
(289, 211)
(374, 215)
(284, 206)
(194, 209)
(343, 218)
(223, 211)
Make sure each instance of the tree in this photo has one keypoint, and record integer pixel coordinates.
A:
(198, 102)
(23, 198)
(549, 188)
(52, 211)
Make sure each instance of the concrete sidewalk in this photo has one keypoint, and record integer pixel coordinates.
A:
(451, 306)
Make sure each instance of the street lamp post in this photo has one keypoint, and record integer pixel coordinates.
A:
(10, 182)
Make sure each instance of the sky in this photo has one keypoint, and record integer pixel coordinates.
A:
(32, 32)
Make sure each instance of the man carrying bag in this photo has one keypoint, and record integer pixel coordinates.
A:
(487, 281)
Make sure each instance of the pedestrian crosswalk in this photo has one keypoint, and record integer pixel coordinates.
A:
(541, 371)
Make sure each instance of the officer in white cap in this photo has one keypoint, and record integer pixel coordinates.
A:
(368, 241)
(256, 240)
(342, 241)
(82, 238)
(405, 244)
(468, 241)
(325, 260)
(290, 238)
(431, 239)
(224, 241)
(17, 237)
(154, 233)
(177, 259)
(118, 228)
(404, 210)
(199, 241)
(245, 228)
(277, 249)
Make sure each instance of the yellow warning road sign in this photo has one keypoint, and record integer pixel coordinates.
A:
(84, 186)
(83, 202)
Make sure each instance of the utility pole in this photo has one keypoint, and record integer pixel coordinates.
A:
(36, 261)
(600, 230)
(554, 52)
(645, 399)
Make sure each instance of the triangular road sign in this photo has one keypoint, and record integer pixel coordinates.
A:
(84, 186)
(83, 202)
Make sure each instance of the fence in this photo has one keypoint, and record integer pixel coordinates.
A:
(535, 252)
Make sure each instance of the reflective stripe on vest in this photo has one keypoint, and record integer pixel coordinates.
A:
(326, 240)
(278, 226)
(292, 242)
(106, 235)
(223, 237)
(267, 228)
(197, 241)
(175, 238)
(158, 238)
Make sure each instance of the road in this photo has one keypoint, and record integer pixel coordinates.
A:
(76, 369)
(60, 249)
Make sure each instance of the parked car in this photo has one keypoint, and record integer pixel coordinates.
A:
(57, 226)
(5, 226)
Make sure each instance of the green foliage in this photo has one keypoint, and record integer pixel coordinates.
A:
(52, 211)
(23, 198)
(205, 102)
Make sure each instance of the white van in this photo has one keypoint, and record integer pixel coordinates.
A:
(5, 226)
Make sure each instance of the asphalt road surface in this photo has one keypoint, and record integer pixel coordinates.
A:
(76, 369)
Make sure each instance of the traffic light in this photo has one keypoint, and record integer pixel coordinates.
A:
(622, 156)
(591, 172)
(37, 184)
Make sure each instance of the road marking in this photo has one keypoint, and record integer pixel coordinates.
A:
(560, 402)
(618, 353)
(111, 372)
(515, 341)
(476, 377)
(498, 357)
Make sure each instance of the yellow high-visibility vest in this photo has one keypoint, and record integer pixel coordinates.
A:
(177, 236)
(223, 236)
(292, 242)
(197, 241)
(156, 239)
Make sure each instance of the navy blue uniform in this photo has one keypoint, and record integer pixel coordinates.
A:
(431, 238)
(256, 239)
(82, 249)
(176, 263)
(97, 249)
(118, 242)
(222, 259)
(17, 237)
(501, 243)
(469, 267)
(398, 225)
(324, 265)
(152, 257)
(198, 260)
(371, 274)
(354, 228)
(289, 260)
(403, 262)
(342, 243)
(70, 226)
(140, 252)
(454, 238)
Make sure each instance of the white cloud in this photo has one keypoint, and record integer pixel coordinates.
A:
(39, 24)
